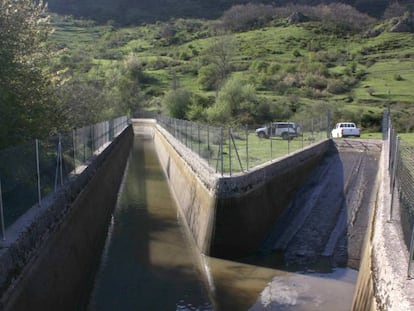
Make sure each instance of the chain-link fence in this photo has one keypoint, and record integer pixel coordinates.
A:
(401, 171)
(31, 171)
(237, 149)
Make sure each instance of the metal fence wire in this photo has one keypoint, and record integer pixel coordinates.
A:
(31, 171)
(401, 172)
(237, 149)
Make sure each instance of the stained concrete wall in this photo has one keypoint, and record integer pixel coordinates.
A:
(192, 182)
(229, 217)
(382, 281)
(49, 259)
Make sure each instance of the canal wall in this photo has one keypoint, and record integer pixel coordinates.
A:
(51, 254)
(230, 216)
(383, 282)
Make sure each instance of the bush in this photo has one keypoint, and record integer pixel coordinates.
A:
(208, 77)
(316, 81)
(248, 16)
(237, 100)
(176, 102)
(398, 77)
(259, 66)
(337, 87)
(273, 68)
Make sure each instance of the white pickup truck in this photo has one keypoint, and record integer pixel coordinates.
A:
(345, 129)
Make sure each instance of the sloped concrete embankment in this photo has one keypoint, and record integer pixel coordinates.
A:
(51, 254)
(230, 216)
(328, 217)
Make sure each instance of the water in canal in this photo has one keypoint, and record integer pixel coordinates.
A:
(150, 263)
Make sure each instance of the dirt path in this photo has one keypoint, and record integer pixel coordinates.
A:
(329, 216)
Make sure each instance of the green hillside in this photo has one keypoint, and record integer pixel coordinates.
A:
(296, 70)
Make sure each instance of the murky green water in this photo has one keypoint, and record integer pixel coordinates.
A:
(150, 264)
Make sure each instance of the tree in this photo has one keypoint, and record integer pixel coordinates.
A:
(208, 77)
(236, 101)
(219, 56)
(177, 102)
(26, 109)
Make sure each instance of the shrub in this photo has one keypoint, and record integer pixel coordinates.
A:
(316, 81)
(398, 77)
(176, 102)
(337, 87)
(273, 68)
(248, 16)
(208, 77)
(259, 65)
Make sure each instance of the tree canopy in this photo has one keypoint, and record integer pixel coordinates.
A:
(26, 109)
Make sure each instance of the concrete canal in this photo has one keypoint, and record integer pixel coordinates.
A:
(150, 261)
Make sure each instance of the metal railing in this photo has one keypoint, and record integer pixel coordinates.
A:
(237, 149)
(30, 172)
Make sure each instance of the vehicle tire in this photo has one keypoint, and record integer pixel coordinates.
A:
(285, 136)
(261, 135)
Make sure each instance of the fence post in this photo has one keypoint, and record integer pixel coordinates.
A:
(410, 254)
(301, 130)
(271, 148)
(288, 142)
(3, 230)
(74, 149)
(230, 151)
(92, 133)
(191, 136)
(39, 193)
(208, 144)
(59, 164)
(85, 142)
(186, 134)
(247, 147)
(199, 140)
(221, 150)
(393, 176)
(328, 123)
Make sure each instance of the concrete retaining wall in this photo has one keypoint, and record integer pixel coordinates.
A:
(51, 255)
(229, 217)
(382, 281)
(248, 205)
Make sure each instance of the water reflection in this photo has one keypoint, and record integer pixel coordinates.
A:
(241, 286)
(148, 263)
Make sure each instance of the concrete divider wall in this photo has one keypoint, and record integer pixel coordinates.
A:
(248, 205)
(230, 216)
(51, 255)
(194, 194)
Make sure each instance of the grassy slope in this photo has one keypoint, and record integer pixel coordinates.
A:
(381, 58)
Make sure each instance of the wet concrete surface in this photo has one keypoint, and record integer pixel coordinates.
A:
(328, 218)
